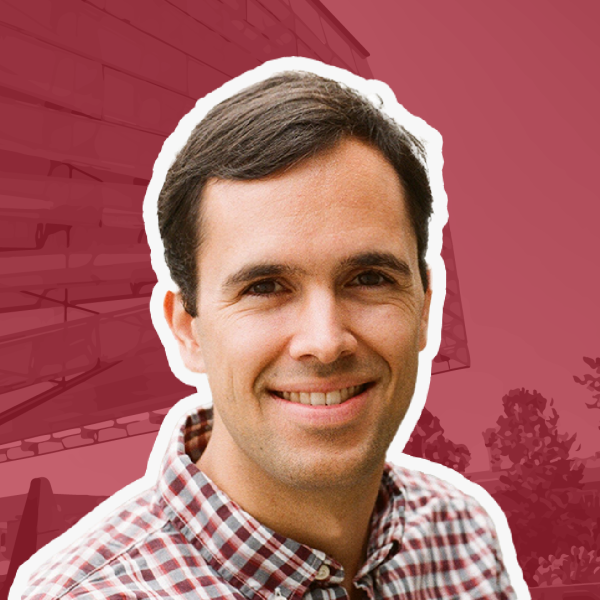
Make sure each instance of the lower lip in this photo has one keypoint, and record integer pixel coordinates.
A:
(323, 415)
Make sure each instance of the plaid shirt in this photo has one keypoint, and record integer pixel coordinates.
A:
(185, 538)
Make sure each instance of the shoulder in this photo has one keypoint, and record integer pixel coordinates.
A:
(448, 535)
(442, 512)
(93, 563)
(424, 492)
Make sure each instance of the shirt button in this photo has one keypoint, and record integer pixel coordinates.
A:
(323, 573)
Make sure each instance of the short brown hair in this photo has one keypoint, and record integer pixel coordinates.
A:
(269, 127)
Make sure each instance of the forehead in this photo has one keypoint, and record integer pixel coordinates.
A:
(347, 199)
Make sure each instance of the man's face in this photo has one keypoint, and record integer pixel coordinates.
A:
(311, 315)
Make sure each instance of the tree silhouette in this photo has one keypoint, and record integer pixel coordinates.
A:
(541, 486)
(590, 381)
(428, 441)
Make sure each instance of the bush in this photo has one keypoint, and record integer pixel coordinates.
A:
(578, 566)
(428, 441)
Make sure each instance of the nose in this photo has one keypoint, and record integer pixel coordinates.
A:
(322, 330)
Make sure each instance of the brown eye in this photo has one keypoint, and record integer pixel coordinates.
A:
(370, 279)
(264, 288)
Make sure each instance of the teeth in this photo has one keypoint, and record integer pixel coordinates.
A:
(322, 399)
(333, 398)
(318, 399)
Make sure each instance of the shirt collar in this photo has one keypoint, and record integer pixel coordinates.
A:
(255, 559)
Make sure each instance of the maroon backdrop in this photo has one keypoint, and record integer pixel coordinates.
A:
(88, 90)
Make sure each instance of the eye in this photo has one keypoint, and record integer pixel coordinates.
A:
(266, 287)
(370, 279)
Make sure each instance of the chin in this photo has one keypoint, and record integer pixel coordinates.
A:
(332, 472)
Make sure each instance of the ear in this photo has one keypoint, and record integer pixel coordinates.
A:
(424, 326)
(184, 329)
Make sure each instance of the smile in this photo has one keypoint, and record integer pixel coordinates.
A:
(323, 398)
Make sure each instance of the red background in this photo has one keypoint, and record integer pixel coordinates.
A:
(514, 91)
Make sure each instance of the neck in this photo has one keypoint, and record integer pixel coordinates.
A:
(333, 519)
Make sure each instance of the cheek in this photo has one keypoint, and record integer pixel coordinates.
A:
(261, 332)
(392, 330)
(243, 345)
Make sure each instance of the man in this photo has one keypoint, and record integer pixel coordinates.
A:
(295, 225)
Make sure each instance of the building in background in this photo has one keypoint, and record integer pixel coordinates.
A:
(88, 93)
(89, 90)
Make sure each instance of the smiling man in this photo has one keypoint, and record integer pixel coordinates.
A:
(311, 313)
(295, 224)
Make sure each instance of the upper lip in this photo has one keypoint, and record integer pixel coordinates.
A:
(315, 387)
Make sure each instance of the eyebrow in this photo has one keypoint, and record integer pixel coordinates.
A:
(385, 260)
(249, 273)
